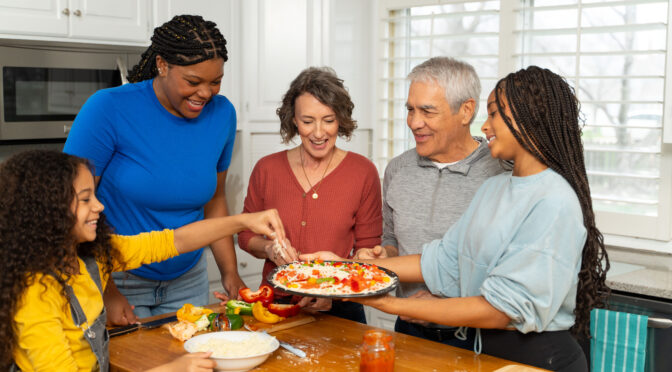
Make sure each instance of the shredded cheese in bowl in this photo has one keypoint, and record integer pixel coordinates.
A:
(234, 350)
(255, 344)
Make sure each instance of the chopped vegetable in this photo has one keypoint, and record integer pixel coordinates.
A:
(235, 321)
(264, 295)
(263, 315)
(238, 307)
(191, 313)
(226, 322)
(203, 322)
(212, 317)
(284, 310)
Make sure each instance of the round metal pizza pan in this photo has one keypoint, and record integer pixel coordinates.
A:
(393, 277)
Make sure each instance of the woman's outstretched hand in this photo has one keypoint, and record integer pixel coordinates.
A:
(266, 223)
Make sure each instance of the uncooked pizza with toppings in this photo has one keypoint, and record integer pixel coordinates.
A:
(333, 279)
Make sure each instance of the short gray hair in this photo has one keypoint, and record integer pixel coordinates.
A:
(448, 72)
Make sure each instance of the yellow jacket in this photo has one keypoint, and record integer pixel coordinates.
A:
(48, 339)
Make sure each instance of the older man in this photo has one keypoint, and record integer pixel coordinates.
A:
(426, 189)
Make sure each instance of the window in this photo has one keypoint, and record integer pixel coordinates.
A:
(612, 52)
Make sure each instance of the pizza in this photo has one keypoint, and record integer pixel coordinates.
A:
(333, 278)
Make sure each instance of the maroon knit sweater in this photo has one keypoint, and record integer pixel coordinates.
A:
(346, 215)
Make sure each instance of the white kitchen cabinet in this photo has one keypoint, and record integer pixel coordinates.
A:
(93, 21)
(377, 318)
(281, 38)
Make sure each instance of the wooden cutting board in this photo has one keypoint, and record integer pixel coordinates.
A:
(291, 322)
(295, 321)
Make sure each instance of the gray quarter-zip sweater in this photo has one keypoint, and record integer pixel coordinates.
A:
(421, 202)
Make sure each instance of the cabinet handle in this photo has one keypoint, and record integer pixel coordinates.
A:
(77, 12)
(66, 11)
(243, 264)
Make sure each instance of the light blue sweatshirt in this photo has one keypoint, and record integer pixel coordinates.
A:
(519, 245)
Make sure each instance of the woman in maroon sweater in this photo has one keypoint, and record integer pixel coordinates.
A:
(328, 198)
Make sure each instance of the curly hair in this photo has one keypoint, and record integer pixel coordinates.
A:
(184, 40)
(323, 84)
(36, 223)
(547, 113)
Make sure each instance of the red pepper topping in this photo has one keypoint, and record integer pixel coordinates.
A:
(264, 295)
(284, 310)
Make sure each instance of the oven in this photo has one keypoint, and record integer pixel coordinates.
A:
(42, 88)
(659, 335)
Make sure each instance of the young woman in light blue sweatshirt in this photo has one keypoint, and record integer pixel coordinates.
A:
(522, 268)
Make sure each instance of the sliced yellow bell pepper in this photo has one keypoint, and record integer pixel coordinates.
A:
(263, 315)
(191, 313)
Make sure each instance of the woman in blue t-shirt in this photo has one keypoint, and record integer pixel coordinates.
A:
(161, 149)
(521, 269)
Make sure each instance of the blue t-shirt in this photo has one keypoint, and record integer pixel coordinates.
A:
(519, 245)
(157, 170)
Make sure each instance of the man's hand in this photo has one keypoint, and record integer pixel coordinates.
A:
(119, 311)
(371, 253)
(312, 304)
(419, 294)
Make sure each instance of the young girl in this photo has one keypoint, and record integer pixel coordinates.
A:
(58, 254)
(522, 266)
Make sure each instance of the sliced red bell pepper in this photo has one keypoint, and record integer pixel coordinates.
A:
(284, 310)
(263, 295)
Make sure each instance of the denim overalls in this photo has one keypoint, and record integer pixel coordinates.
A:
(96, 334)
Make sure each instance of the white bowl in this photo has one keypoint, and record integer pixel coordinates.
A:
(233, 363)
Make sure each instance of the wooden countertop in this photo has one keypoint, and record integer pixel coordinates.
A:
(331, 344)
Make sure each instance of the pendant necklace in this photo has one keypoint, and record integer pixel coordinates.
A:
(314, 190)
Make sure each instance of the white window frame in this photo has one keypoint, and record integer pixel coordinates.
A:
(619, 225)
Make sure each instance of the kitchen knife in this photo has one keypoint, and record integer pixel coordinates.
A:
(294, 350)
(134, 327)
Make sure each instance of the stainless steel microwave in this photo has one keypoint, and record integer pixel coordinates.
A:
(42, 88)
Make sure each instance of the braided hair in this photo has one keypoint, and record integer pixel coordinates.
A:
(184, 40)
(546, 112)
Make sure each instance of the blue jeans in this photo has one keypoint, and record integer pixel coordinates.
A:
(155, 297)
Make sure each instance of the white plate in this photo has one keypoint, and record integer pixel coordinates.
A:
(233, 363)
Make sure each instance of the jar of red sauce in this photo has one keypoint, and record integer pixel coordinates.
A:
(376, 352)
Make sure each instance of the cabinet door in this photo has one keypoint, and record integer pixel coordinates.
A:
(278, 39)
(119, 20)
(35, 17)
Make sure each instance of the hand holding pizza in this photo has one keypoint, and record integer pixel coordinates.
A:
(312, 304)
(321, 255)
(370, 253)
